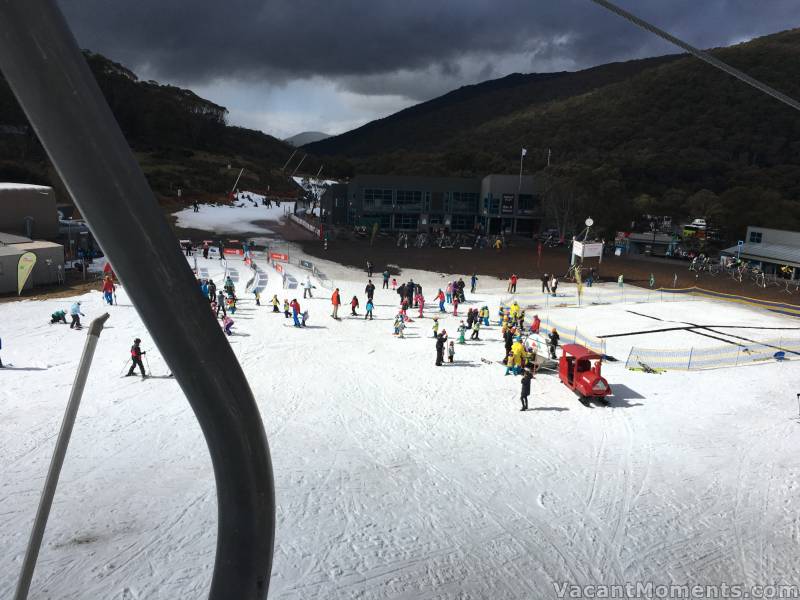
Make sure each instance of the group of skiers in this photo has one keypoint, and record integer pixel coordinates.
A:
(60, 316)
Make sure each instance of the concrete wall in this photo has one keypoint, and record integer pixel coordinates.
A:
(18, 201)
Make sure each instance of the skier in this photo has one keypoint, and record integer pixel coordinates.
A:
(286, 308)
(554, 284)
(440, 298)
(369, 308)
(455, 306)
(370, 290)
(553, 337)
(394, 284)
(512, 283)
(421, 302)
(59, 316)
(545, 283)
(304, 318)
(136, 358)
(307, 287)
(275, 303)
(652, 280)
(108, 289)
(257, 294)
(385, 280)
(76, 314)
(335, 301)
(526, 389)
(449, 293)
(353, 306)
(473, 283)
(451, 352)
(440, 341)
(620, 280)
(462, 329)
(295, 312)
(227, 323)
(221, 304)
(369, 268)
(212, 289)
(435, 327)
(476, 328)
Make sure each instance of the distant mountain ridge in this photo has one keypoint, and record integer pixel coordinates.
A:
(306, 137)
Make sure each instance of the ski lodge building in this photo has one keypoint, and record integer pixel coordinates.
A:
(773, 249)
(490, 205)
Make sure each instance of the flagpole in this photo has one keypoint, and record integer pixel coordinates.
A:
(521, 158)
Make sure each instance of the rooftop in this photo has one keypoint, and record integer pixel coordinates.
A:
(777, 253)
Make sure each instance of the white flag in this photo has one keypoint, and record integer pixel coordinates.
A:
(524, 151)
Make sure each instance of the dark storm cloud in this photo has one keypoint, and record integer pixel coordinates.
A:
(369, 45)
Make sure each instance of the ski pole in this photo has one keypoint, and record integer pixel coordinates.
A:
(123, 366)
(150, 371)
(798, 406)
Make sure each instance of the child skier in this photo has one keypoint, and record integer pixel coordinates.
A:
(455, 306)
(353, 306)
(476, 328)
(275, 303)
(76, 314)
(462, 329)
(435, 326)
(451, 352)
(258, 297)
(136, 358)
(369, 307)
(394, 284)
(421, 302)
(304, 318)
(59, 316)
(286, 308)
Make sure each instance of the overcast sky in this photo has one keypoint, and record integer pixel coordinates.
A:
(286, 66)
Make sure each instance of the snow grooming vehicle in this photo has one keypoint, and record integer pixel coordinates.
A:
(45, 70)
(576, 371)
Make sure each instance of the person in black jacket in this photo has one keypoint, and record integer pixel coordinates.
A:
(526, 389)
(508, 338)
(212, 290)
(441, 339)
(369, 290)
(553, 337)
(545, 283)
(136, 358)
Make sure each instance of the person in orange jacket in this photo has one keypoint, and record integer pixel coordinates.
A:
(335, 301)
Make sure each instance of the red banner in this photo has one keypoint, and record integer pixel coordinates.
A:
(278, 256)
(238, 252)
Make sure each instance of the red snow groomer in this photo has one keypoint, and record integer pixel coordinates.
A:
(579, 370)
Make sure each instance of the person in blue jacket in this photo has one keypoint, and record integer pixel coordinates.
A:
(76, 314)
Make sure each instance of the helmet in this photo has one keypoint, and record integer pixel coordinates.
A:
(137, 341)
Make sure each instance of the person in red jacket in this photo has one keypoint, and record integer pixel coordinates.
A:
(512, 283)
(108, 289)
(536, 323)
(335, 301)
(136, 358)
(354, 306)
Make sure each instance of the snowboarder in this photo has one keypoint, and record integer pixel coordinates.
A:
(59, 316)
(370, 305)
(136, 358)
(451, 352)
(526, 389)
(76, 314)
(335, 301)
(353, 306)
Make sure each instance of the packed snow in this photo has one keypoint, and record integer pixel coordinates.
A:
(395, 478)
(247, 214)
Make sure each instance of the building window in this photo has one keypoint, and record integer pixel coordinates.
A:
(464, 202)
(526, 203)
(755, 237)
(409, 200)
(406, 221)
(436, 219)
(375, 199)
(384, 221)
(462, 222)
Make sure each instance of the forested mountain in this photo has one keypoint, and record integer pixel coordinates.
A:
(670, 135)
(180, 139)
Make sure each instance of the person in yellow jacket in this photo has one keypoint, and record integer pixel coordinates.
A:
(514, 310)
(275, 303)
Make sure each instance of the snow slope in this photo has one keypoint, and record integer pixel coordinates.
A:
(243, 216)
(395, 478)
